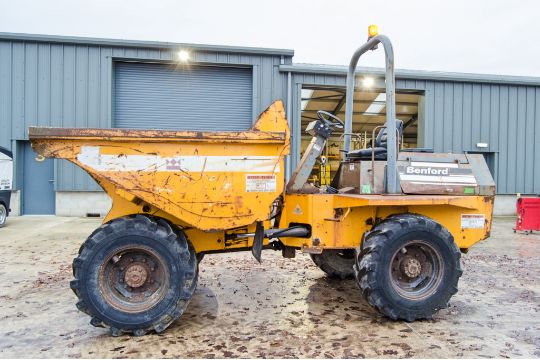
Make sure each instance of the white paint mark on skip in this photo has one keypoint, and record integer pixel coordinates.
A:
(90, 156)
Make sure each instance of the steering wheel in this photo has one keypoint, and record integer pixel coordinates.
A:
(325, 116)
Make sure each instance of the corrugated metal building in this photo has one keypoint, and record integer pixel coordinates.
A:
(85, 82)
(456, 113)
(82, 82)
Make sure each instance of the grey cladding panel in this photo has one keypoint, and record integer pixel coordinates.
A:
(167, 96)
(71, 84)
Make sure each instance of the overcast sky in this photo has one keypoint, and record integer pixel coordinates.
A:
(491, 36)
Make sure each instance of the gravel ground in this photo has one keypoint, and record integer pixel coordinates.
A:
(282, 308)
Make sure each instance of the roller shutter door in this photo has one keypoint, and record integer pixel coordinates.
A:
(166, 96)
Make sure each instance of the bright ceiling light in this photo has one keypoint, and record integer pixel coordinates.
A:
(183, 55)
(368, 82)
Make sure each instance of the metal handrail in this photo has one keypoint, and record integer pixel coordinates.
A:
(361, 138)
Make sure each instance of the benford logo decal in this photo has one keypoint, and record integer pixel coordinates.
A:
(427, 170)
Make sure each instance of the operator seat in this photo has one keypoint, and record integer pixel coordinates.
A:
(380, 146)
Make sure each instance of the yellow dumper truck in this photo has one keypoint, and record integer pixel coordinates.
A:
(396, 221)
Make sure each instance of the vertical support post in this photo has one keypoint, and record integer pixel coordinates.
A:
(391, 185)
(288, 158)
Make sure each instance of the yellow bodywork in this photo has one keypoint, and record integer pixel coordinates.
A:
(339, 221)
(213, 184)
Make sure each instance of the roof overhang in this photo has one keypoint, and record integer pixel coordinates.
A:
(414, 74)
(142, 44)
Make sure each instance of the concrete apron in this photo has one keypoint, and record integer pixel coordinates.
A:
(281, 308)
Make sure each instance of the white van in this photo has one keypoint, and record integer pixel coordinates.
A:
(6, 180)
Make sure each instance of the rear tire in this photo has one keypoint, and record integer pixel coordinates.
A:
(134, 275)
(200, 256)
(408, 267)
(337, 264)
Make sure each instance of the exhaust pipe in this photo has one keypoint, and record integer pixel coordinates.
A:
(293, 231)
(298, 231)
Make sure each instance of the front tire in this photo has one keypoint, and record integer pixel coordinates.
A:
(408, 267)
(135, 274)
(337, 264)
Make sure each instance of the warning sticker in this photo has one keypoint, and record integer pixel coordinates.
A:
(297, 210)
(260, 183)
(472, 221)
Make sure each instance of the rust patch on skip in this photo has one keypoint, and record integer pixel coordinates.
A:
(155, 135)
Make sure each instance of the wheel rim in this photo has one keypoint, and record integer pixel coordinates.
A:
(3, 214)
(416, 270)
(133, 279)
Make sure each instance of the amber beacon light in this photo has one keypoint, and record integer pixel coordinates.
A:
(373, 30)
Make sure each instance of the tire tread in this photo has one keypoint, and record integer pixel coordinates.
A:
(165, 230)
(374, 244)
(325, 263)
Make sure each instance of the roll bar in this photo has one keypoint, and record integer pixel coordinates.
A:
(391, 185)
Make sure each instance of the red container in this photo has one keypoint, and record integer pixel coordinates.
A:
(528, 214)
